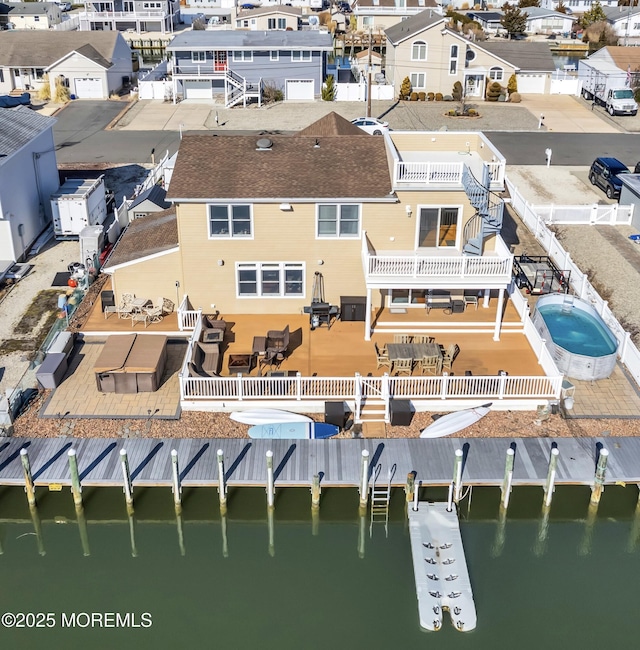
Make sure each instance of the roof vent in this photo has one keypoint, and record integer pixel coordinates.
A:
(264, 144)
(317, 144)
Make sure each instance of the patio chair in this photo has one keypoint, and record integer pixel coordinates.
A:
(278, 341)
(402, 338)
(423, 338)
(205, 360)
(155, 313)
(168, 306)
(124, 308)
(213, 328)
(432, 365)
(402, 366)
(450, 356)
(382, 358)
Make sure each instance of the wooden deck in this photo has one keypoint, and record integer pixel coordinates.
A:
(338, 462)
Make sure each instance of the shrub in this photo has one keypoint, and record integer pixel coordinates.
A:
(329, 89)
(493, 92)
(438, 97)
(413, 97)
(422, 96)
(62, 95)
(431, 96)
(512, 85)
(45, 90)
(515, 98)
(271, 93)
(472, 112)
(457, 91)
(405, 88)
(452, 113)
(448, 98)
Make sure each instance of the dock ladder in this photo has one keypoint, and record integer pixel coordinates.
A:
(380, 497)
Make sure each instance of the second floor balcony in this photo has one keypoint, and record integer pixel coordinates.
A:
(156, 14)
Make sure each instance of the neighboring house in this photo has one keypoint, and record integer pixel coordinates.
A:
(92, 66)
(532, 60)
(361, 64)
(434, 57)
(612, 67)
(488, 20)
(625, 22)
(253, 231)
(545, 21)
(269, 18)
(34, 15)
(139, 15)
(576, 6)
(382, 14)
(237, 64)
(28, 176)
(151, 200)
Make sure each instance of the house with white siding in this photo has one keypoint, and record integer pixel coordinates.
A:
(34, 15)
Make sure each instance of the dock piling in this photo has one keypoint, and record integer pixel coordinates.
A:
(176, 487)
(183, 550)
(126, 476)
(270, 482)
(416, 496)
(315, 494)
(364, 480)
(37, 529)
(457, 476)
(223, 531)
(549, 487)
(362, 533)
(84, 533)
(598, 482)
(410, 486)
(222, 486)
(76, 488)
(508, 477)
(272, 534)
(28, 479)
(132, 534)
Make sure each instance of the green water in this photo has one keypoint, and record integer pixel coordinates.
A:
(574, 589)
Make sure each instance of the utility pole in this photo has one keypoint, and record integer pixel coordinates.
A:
(369, 77)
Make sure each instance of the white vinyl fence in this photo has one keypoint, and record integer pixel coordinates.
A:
(627, 351)
(357, 92)
(594, 214)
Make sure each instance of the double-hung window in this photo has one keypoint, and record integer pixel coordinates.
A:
(274, 55)
(226, 221)
(270, 279)
(276, 23)
(419, 51)
(243, 55)
(341, 221)
(301, 55)
(198, 57)
(496, 73)
(453, 60)
(418, 80)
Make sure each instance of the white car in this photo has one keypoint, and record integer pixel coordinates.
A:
(371, 125)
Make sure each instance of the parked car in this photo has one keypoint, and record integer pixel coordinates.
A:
(371, 125)
(604, 173)
(64, 6)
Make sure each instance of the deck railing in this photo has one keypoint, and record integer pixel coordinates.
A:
(431, 173)
(187, 318)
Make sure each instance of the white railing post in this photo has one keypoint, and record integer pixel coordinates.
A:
(384, 389)
(357, 395)
(443, 387)
(298, 386)
(240, 389)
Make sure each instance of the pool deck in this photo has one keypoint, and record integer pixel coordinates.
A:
(337, 462)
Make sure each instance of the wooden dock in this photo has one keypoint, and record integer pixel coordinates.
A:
(295, 462)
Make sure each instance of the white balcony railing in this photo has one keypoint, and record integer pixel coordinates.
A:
(199, 69)
(387, 11)
(123, 15)
(430, 173)
(419, 267)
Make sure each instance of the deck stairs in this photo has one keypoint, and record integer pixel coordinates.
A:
(237, 90)
(380, 497)
(489, 210)
(370, 404)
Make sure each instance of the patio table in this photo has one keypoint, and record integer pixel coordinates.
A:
(413, 350)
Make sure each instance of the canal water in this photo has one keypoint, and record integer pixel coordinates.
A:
(153, 582)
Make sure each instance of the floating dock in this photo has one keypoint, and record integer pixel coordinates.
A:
(440, 567)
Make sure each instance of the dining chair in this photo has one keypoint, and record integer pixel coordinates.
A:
(450, 356)
(432, 364)
(423, 338)
(402, 366)
(402, 338)
(125, 308)
(382, 358)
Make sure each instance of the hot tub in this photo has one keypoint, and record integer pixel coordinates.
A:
(581, 344)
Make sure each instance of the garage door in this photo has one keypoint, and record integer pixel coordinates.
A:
(88, 88)
(531, 83)
(198, 90)
(299, 90)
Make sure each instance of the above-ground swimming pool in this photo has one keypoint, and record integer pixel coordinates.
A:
(581, 344)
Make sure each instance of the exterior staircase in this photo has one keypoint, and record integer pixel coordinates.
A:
(489, 209)
(371, 406)
(237, 90)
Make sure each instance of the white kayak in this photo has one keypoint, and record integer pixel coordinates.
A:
(267, 416)
(453, 422)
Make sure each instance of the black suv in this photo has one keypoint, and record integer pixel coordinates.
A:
(604, 173)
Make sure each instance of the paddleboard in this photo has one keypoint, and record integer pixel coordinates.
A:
(267, 416)
(293, 430)
(453, 422)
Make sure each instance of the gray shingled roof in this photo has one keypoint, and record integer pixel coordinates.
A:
(414, 25)
(618, 13)
(410, 4)
(528, 57)
(243, 40)
(18, 126)
(155, 194)
(39, 48)
(155, 233)
(271, 9)
(31, 8)
(539, 12)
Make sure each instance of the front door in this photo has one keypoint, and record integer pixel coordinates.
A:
(474, 85)
(219, 61)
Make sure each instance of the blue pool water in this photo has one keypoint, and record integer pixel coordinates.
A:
(577, 331)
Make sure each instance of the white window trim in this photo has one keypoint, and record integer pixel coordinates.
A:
(257, 266)
(338, 235)
(454, 58)
(242, 56)
(230, 235)
(418, 87)
(303, 54)
(274, 55)
(494, 70)
(459, 226)
(198, 55)
(426, 50)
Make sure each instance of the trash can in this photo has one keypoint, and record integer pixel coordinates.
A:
(335, 413)
(400, 412)
(108, 299)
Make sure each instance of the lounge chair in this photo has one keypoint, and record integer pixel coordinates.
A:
(205, 361)
(278, 341)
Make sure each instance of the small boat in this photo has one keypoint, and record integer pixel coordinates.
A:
(267, 416)
(294, 431)
(453, 422)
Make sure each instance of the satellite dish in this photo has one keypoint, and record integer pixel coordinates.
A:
(314, 21)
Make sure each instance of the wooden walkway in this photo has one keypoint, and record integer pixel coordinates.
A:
(338, 462)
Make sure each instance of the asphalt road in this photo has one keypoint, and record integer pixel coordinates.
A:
(80, 138)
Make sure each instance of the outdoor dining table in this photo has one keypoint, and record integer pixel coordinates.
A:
(413, 350)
